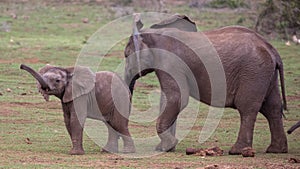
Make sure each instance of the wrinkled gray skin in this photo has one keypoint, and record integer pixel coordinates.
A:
(294, 127)
(251, 68)
(85, 94)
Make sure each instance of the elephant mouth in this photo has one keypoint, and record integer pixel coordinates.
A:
(53, 91)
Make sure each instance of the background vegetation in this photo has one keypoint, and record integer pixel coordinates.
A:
(279, 18)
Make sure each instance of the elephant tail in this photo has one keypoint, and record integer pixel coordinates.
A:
(279, 66)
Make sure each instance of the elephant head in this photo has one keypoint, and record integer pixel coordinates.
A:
(64, 83)
(137, 66)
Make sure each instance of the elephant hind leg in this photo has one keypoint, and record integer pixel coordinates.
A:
(248, 102)
(272, 110)
(112, 141)
(119, 125)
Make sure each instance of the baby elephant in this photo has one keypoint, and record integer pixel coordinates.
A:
(102, 96)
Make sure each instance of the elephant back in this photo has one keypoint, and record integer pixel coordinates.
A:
(112, 93)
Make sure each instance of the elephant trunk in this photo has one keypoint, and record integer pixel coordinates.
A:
(131, 86)
(130, 78)
(130, 82)
(294, 127)
(36, 75)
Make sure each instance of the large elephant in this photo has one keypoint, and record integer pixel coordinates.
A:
(102, 96)
(249, 63)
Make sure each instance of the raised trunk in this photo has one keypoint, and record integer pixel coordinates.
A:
(36, 75)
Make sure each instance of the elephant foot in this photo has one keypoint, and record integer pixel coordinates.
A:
(277, 149)
(167, 146)
(236, 150)
(76, 152)
(159, 148)
(110, 149)
(129, 149)
(128, 145)
(105, 151)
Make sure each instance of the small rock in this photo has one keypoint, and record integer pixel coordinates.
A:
(295, 39)
(8, 90)
(116, 158)
(25, 17)
(194, 151)
(85, 20)
(294, 160)
(5, 27)
(27, 140)
(248, 152)
(215, 166)
(201, 153)
(14, 15)
(189, 151)
(214, 151)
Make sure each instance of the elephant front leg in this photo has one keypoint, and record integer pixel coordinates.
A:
(74, 129)
(166, 123)
(76, 136)
(168, 139)
(74, 123)
(67, 117)
(174, 98)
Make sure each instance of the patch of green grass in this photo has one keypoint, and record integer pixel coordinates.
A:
(227, 3)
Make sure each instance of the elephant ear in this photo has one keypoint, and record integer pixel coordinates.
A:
(180, 22)
(81, 80)
(42, 71)
(137, 23)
